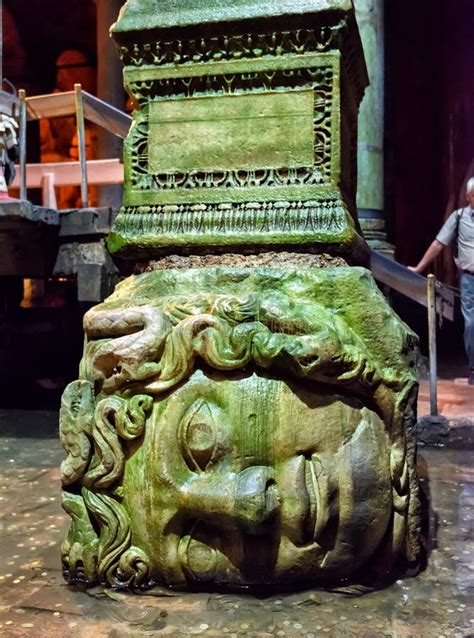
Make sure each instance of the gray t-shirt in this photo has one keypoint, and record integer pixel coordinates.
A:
(465, 259)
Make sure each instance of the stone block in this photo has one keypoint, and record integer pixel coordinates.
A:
(244, 129)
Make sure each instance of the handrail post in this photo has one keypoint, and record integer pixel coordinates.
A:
(81, 142)
(22, 142)
(431, 299)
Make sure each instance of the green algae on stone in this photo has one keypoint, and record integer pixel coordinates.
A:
(251, 423)
(236, 409)
(244, 128)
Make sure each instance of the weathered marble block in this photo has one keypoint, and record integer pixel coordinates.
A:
(245, 129)
(238, 427)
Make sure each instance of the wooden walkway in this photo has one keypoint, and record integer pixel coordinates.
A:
(455, 399)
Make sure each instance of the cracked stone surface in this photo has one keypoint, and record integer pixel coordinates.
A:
(35, 601)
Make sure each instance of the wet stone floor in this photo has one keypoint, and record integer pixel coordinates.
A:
(35, 601)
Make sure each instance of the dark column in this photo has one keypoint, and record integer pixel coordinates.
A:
(370, 155)
(110, 89)
(413, 144)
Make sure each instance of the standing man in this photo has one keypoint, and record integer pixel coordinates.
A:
(459, 227)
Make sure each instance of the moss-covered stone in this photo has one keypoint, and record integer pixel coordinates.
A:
(251, 426)
(249, 423)
(245, 126)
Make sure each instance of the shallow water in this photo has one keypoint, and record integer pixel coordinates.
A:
(35, 601)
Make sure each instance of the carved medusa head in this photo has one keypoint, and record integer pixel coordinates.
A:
(207, 447)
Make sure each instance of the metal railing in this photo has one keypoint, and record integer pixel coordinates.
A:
(411, 284)
(95, 110)
(49, 175)
(438, 298)
(85, 107)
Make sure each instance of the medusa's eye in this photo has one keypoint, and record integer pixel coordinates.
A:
(198, 435)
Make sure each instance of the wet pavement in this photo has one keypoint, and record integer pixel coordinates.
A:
(35, 601)
(455, 399)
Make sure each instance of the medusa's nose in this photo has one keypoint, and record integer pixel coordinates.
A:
(246, 500)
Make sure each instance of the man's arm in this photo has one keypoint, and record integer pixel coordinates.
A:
(433, 251)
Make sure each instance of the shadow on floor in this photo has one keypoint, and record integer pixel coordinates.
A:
(29, 424)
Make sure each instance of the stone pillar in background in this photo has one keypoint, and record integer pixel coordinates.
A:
(110, 89)
(370, 155)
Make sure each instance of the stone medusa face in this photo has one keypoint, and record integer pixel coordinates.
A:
(286, 458)
(249, 479)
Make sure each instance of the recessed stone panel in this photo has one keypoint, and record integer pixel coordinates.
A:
(251, 131)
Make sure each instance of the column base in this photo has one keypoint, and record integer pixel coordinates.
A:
(372, 223)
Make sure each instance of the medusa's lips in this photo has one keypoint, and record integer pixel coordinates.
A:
(323, 497)
(312, 486)
(311, 522)
(301, 500)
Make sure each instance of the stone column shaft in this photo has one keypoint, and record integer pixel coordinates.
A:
(370, 157)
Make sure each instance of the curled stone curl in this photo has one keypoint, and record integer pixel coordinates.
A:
(108, 558)
(114, 418)
(120, 565)
(313, 343)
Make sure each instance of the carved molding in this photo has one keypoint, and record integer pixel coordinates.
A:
(231, 47)
(327, 216)
(249, 46)
(321, 79)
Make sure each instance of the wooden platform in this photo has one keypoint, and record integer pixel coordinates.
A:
(455, 399)
(38, 242)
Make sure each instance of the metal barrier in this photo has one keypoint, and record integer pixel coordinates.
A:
(411, 284)
(97, 111)
(435, 296)
(48, 176)
(85, 107)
